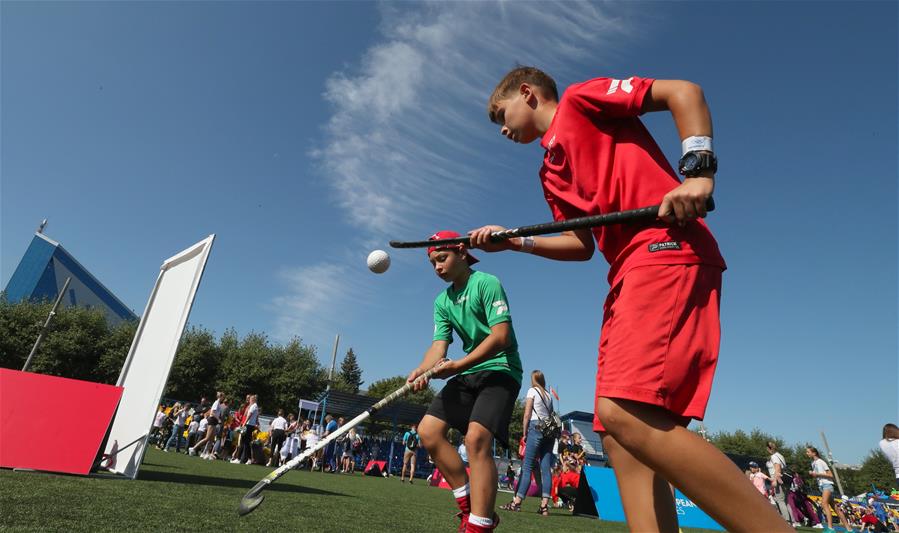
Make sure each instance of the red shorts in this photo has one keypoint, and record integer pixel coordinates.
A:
(660, 337)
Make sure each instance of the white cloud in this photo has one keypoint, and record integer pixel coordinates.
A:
(409, 121)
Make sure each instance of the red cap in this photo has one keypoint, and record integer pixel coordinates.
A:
(447, 234)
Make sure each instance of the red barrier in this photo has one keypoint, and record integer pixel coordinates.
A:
(375, 468)
(52, 423)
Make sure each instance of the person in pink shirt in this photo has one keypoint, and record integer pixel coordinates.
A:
(759, 478)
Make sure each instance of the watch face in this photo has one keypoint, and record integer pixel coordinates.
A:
(690, 162)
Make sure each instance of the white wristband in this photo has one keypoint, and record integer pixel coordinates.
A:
(696, 144)
(527, 245)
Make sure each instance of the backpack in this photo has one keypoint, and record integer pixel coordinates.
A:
(411, 441)
(551, 426)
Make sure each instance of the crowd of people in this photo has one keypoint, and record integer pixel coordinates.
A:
(786, 488)
(218, 432)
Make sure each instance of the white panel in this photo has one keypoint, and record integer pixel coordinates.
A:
(149, 361)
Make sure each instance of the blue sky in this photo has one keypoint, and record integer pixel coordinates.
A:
(306, 134)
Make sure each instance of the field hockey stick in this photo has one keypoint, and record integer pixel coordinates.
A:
(617, 217)
(254, 497)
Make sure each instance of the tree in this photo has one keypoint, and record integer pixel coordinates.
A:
(350, 377)
(114, 350)
(751, 444)
(516, 430)
(383, 387)
(195, 367)
(876, 469)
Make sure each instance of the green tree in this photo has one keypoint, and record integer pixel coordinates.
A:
(752, 444)
(350, 377)
(195, 366)
(20, 324)
(516, 430)
(383, 387)
(297, 374)
(114, 350)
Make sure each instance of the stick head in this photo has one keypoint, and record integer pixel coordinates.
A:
(249, 503)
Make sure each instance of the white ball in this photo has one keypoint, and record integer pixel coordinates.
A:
(378, 261)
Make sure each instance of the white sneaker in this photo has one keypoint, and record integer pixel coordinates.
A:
(818, 526)
(235, 461)
(249, 462)
(191, 451)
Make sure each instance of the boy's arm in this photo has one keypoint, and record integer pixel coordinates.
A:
(436, 352)
(499, 339)
(688, 107)
(576, 245)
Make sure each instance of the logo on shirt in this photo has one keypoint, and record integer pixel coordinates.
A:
(624, 85)
(660, 246)
(462, 298)
(501, 307)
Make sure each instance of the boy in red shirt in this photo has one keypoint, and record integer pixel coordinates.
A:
(660, 332)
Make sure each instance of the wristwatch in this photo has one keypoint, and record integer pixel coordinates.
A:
(694, 163)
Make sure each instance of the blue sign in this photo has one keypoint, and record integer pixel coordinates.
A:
(604, 490)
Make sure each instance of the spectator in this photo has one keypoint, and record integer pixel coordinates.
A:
(411, 442)
(822, 473)
(331, 426)
(759, 479)
(776, 465)
(890, 447)
(276, 437)
(202, 426)
(240, 417)
(567, 485)
(248, 428)
(463, 452)
(538, 449)
(312, 440)
(223, 430)
(179, 415)
(577, 450)
(564, 447)
(801, 506)
(193, 429)
(870, 522)
(212, 423)
(352, 447)
(156, 432)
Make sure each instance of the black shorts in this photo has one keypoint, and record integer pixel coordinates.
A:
(486, 397)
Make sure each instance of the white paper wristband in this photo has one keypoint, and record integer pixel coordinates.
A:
(697, 143)
(527, 245)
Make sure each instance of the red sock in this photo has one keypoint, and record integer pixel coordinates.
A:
(464, 504)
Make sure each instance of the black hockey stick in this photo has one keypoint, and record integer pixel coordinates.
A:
(618, 217)
(254, 497)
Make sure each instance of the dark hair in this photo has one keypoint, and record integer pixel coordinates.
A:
(514, 79)
(814, 451)
(890, 431)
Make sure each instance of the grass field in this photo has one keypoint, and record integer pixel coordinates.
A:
(179, 493)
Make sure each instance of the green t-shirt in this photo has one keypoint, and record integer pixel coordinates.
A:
(471, 312)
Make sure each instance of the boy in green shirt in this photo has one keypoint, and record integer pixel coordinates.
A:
(479, 400)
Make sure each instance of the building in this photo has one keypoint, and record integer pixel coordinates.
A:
(42, 272)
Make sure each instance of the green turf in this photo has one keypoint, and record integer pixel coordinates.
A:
(178, 493)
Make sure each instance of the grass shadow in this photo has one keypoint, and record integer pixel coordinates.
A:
(192, 479)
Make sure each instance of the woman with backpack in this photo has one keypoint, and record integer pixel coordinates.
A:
(540, 435)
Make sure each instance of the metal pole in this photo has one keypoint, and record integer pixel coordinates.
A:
(40, 337)
(833, 465)
(330, 375)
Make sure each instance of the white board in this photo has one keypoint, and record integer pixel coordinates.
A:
(152, 352)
